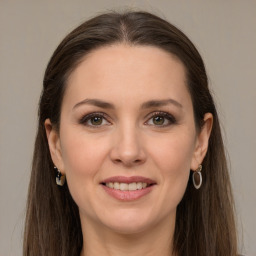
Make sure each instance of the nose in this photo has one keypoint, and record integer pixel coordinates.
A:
(128, 148)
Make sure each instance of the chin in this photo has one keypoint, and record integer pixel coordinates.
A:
(129, 228)
(129, 222)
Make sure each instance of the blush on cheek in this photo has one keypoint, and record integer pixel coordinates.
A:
(77, 165)
(79, 155)
(175, 161)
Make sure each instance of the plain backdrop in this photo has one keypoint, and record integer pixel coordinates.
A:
(224, 31)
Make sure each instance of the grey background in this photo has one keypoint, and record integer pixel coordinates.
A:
(225, 34)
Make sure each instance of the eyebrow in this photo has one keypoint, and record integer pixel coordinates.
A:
(160, 103)
(145, 105)
(95, 102)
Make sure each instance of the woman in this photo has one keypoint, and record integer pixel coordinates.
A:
(129, 132)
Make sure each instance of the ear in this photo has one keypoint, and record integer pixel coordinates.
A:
(202, 141)
(54, 144)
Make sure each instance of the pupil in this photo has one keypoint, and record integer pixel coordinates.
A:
(158, 120)
(96, 120)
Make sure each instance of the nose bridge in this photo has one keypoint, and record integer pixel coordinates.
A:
(127, 147)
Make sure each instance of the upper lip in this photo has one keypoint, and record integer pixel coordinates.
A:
(124, 179)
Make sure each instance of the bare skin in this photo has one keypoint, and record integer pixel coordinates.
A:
(127, 112)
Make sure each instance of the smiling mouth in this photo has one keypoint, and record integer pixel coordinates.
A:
(127, 186)
(123, 183)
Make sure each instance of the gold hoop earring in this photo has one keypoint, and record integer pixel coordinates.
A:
(60, 178)
(197, 177)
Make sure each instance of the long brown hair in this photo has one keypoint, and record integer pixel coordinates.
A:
(205, 222)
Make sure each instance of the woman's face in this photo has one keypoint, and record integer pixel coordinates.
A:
(127, 138)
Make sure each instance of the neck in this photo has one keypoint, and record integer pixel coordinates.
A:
(98, 240)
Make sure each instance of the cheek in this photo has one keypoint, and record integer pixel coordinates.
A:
(174, 153)
(82, 160)
(79, 152)
(173, 157)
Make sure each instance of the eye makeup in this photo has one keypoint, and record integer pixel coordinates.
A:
(159, 119)
(95, 119)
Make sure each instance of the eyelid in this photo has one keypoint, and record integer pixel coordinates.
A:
(87, 117)
(170, 117)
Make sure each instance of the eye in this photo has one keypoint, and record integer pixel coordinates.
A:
(94, 120)
(161, 119)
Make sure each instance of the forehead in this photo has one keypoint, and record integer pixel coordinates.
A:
(127, 72)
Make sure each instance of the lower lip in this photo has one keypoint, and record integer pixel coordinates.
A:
(128, 195)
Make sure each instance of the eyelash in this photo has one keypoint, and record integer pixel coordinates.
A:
(85, 119)
(171, 119)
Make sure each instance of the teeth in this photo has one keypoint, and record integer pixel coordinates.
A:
(140, 185)
(127, 186)
(123, 186)
(132, 186)
(111, 185)
(116, 185)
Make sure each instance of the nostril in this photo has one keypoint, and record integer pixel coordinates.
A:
(128, 162)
